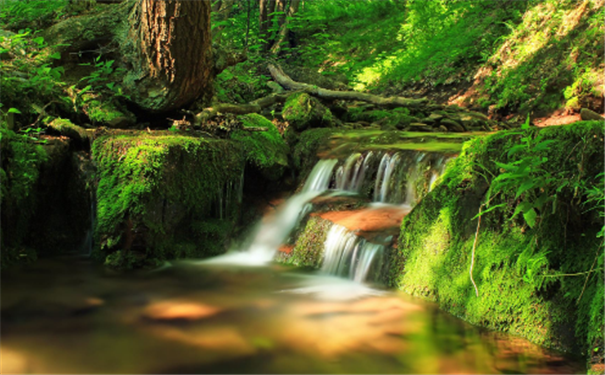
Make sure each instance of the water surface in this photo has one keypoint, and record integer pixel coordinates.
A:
(66, 316)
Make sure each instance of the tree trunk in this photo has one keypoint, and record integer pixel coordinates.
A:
(283, 30)
(169, 49)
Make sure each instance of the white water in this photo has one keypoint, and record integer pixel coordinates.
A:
(346, 254)
(272, 233)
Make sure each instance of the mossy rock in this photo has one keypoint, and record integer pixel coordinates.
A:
(265, 150)
(303, 111)
(308, 250)
(154, 189)
(21, 160)
(107, 112)
(438, 237)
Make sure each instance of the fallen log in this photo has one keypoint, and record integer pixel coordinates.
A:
(391, 102)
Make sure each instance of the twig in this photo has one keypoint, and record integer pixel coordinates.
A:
(473, 254)
(588, 276)
(475, 243)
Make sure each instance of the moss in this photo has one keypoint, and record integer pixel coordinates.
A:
(397, 118)
(105, 112)
(308, 250)
(265, 150)
(21, 160)
(154, 189)
(302, 111)
(437, 239)
(308, 144)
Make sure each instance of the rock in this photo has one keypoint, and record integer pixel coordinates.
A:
(419, 126)
(588, 115)
(478, 115)
(433, 118)
(443, 128)
(453, 125)
(164, 196)
(303, 111)
(265, 150)
(105, 112)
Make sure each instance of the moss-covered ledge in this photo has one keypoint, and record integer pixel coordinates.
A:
(164, 196)
(531, 280)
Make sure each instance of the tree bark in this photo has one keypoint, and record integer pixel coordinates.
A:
(392, 102)
(283, 30)
(170, 53)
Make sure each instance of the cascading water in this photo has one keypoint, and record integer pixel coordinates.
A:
(271, 234)
(346, 254)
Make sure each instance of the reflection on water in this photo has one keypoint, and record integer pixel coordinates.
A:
(67, 317)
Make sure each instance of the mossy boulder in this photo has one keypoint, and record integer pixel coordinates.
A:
(157, 192)
(309, 248)
(531, 274)
(107, 112)
(265, 150)
(45, 201)
(303, 111)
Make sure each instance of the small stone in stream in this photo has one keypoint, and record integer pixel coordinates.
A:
(176, 310)
(588, 115)
(453, 125)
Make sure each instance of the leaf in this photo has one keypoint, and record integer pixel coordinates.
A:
(56, 56)
(530, 217)
(14, 110)
(488, 210)
(39, 40)
(543, 145)
(526, 185)
(515, 149)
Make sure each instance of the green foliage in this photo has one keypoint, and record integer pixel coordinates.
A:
(16, 14)
(21, 159)
(535, 274)
(266, 150)
(29, 80)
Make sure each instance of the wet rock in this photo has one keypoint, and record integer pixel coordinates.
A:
(179, 311)
(588, 115)
(154, 189)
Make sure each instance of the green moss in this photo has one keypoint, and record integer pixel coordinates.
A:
(21, 159)
(154, 189)
(303, 111)
(266, 150)
(515, 266)
(105, 112)
(308, 250)
(308, 144)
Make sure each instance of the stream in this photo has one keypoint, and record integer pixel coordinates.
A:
(243, 313)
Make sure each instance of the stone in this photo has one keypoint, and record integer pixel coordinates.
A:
(588, 115)
(303, 111)
(453, 125)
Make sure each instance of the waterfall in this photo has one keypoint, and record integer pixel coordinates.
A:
(272, 233)
(346, 254)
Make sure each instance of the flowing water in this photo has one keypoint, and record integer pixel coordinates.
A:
(223, 316)
(65, 316)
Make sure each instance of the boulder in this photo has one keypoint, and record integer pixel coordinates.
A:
(588, 115)
(303, 111)
(265, 150)
(164, 196)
